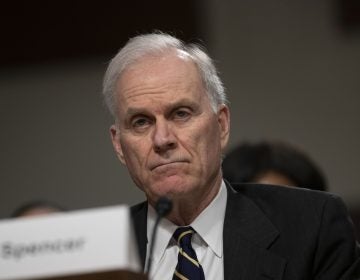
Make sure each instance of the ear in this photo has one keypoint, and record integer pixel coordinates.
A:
(224, 124)
(115, 138)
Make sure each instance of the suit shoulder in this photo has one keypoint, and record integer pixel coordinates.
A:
(253, 190)
(296, 201)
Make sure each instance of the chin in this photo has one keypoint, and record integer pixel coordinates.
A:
(172, 188)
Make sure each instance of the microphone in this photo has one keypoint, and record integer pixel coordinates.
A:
(163, 207)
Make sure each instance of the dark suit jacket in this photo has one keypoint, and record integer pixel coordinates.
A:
(273, 232)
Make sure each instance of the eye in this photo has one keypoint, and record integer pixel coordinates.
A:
(182, 114)
(140, 122)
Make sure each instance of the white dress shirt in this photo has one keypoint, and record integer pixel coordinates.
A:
(207, 241)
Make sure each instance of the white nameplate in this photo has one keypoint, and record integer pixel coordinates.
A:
(68, 243)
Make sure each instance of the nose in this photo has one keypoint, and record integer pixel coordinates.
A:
(163, 137)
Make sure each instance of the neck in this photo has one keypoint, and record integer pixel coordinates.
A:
(186, 209)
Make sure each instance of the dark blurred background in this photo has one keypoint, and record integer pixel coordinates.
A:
(43, 31)
(291, 69)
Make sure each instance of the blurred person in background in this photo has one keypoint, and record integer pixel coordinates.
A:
(272, 162)
(36, 208)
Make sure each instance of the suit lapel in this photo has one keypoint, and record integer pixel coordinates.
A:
(248, 233)
(139, 216)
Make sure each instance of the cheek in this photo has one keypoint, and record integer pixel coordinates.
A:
(135, 155)
(213, 146)
(205, 144)
(134, 152)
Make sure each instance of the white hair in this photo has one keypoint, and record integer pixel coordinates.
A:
(158, 43)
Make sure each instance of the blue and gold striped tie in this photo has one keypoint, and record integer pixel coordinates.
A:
(188, 267)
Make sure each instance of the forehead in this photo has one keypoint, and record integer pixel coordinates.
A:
(155, 76)
(168, 62)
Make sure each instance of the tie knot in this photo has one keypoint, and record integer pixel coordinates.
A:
(183, 235)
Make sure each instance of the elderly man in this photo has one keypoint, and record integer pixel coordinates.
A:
(171, 128)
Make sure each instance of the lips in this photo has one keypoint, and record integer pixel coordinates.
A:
(166, 163)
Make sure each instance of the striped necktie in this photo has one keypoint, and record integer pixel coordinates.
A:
(188, 267)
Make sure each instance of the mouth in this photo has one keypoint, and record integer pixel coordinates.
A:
(166, 164)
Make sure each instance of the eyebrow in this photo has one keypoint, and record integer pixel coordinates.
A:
(184, 102)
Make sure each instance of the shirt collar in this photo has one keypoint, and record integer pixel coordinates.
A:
(210, 223)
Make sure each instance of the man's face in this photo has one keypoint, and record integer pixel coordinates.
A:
(167, 134)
